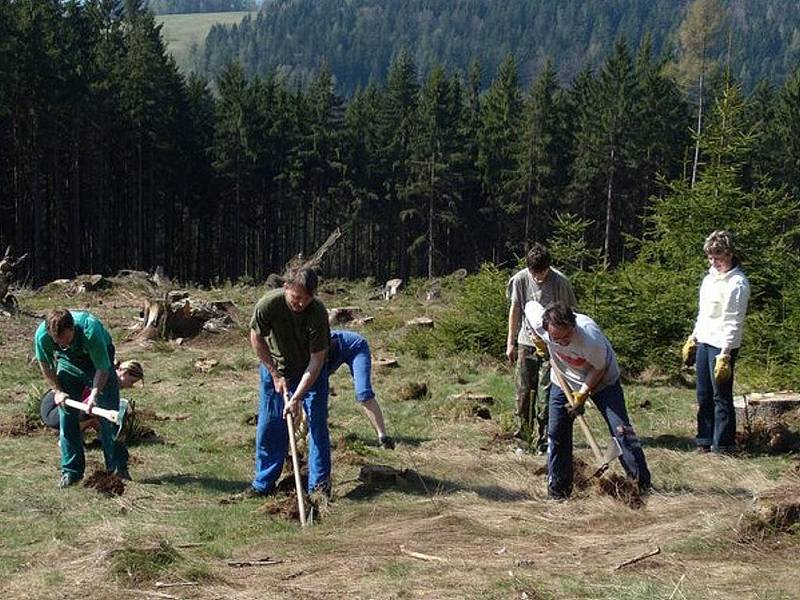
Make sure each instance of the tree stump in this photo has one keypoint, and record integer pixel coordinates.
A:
(420, 323)
(178, 316)
(344, 314)
(391, 288)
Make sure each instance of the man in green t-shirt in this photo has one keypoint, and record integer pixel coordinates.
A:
(290, 335)
(75, 351)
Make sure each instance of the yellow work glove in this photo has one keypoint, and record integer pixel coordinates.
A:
(578, 406)
(541, 347)
(688, 351)
(722, 368)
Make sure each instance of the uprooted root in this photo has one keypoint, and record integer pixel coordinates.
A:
(105, 483)
(774, 512)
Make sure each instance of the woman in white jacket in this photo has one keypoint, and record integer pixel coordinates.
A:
(715, 342)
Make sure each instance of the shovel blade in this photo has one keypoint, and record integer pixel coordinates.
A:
(613, 452)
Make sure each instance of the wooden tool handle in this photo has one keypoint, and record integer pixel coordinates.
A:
(298, 484)
(110, 415)
(587, 433)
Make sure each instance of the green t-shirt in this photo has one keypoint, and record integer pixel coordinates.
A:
(291, 337)
(88, 351)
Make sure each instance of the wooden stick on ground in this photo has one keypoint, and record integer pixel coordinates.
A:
(420, 556)
(636, 559)
(164, 584)
(253, 563)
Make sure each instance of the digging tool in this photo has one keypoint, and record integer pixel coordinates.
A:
(612, 452)
(115, 416)
(301, 502)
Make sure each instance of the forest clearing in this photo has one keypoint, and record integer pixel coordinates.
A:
(461, 515)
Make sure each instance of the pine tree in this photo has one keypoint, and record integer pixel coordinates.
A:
(498, 139)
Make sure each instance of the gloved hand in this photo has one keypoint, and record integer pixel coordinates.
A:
(578, 406)
(688, 352)
(541, 347)
(722, 368)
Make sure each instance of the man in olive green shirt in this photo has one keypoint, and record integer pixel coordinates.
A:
(290, 335)
(75, 351)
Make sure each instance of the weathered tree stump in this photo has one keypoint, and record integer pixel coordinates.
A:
(344, 314)
(770, 422)
(769, 405)
(420, 323)
(178, 316)
(391, 288)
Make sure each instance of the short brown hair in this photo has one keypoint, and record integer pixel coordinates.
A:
(59, 320)
(307, 278)
(538, 258)
(719, 242)
(558, 314)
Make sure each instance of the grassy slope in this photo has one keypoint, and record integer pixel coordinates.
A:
(482, 507)
(181, 31)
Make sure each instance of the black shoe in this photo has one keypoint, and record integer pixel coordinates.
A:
(67, 480)
(386, 442)
(122, 473)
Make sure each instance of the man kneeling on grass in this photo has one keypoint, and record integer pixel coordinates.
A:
(584, 356)
(290, 335)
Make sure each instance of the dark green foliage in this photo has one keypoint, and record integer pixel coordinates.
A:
(477, 320)
(359, 38)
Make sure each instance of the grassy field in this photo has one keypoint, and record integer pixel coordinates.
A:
(181, 31)
(474, 504)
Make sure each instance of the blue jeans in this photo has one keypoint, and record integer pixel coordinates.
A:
(272, 434)
(353, 349)
(610, 401)
(716, 417)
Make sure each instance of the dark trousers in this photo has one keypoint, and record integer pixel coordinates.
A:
(610, 401)
(531, 410)
(716, 417)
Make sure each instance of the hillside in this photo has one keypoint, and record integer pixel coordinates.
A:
(182, 31)
(473, 509)
(358, 39)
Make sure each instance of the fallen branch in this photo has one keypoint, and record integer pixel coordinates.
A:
(420, 556)
(163, 584)
(151, 593)
(638, 558)
(253, 563)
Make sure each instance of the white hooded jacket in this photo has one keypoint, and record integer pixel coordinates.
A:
(722, 307)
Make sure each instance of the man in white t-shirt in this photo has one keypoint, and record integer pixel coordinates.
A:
(583, 354)
(541, 283)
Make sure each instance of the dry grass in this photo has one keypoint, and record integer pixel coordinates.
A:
(465, 496)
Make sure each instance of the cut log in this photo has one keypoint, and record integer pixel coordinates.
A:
(420, 323)
(385, 363)
(767, 405)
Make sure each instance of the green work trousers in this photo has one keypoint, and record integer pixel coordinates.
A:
(73, 460)
(531, 410)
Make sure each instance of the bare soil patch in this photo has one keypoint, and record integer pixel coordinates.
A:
(105, 483)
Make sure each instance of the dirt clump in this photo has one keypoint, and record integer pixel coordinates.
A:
(283, 505)
(19, 425)
(620, 488)
(773, 512)
(105, 483)
(412, 391)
